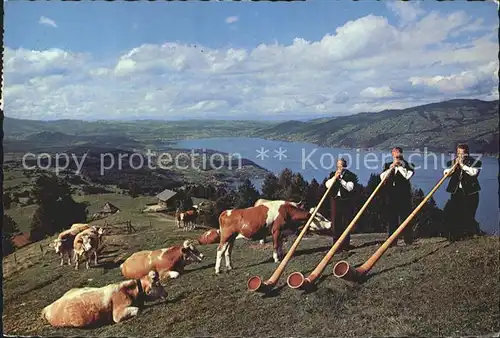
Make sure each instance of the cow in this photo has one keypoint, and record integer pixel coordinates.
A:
(80, 226)
(88, 306)
(254, 222)
(85, 244)
(209, 237)
(263, 201)
(169, 262)
(188, 219)
(63, 244)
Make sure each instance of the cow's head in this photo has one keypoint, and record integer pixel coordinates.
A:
(320, 223)
(87, 242)
(190, 252)
(153, 288)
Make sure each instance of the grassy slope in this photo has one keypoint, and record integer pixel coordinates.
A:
(431, 288)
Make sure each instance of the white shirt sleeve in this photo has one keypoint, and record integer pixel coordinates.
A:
(329, 182)
(385, 173)
(347, 185)
(470, 170)
(405, 172)
(446, 171)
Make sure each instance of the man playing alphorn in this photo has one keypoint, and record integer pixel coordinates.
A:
(464, 189)
(398, 190)
(341, 201)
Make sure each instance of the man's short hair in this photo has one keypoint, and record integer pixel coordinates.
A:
(398, 149)
(463, 146)
(344, 162)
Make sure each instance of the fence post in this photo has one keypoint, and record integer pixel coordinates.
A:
(15, 259)
(41, 248)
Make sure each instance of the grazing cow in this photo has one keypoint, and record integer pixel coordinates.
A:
(263, 201)
(84, 307)
(319, 226)
(85, 244)
(188, 219)
(169, 262)
(254, 222)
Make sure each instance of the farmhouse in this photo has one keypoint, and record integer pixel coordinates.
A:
(106, 210)
(167, 198)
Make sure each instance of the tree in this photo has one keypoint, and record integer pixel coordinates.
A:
(225, 202)
(9, 229)
(299, 187)
(247, 195)
(313, 195)
(374, 218)
(134, 189)
(56, 208)
(270, 187)
(7, 200)
(285, 182)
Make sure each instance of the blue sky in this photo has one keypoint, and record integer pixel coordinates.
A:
(202, 59)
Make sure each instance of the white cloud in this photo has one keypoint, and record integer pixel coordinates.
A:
(406, 12)
(231, 19)
(47, 22)
(365, 65)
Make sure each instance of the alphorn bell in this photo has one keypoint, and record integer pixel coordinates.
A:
(255, 283)
(296, 279)
(343, 270)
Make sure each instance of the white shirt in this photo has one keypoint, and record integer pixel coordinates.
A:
(407, 174)
(471, 171)
(347, 185)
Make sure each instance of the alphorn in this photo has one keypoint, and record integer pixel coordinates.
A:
(255, 283)
(343, 270)
(296, 279)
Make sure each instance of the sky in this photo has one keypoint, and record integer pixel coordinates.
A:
(244, 60)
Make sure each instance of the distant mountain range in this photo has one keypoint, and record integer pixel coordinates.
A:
(437, 126)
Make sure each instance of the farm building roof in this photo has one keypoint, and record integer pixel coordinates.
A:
(166, 194)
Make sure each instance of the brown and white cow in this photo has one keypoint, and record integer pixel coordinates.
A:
(80, 226)
(263, 201)
(255, 222)
(319, 226)
(188, 219)
(63, 244)
(86, 244)
(82, 307)
(169, 262)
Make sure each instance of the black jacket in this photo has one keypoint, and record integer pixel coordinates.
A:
(396, 185)
(470, 184)
(347, 176)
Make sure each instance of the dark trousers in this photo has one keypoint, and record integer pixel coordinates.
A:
(341, 216)
(398, 211)
(461, 216)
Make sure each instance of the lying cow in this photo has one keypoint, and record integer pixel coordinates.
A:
(255, 222)
(112, 303)
(80, 226)
(169, 262)
(86, 244)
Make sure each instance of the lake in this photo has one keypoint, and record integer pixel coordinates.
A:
(317, 162)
